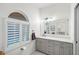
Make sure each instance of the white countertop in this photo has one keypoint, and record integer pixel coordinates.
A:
(64, 39)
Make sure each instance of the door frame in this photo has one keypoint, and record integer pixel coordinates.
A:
(75, 27)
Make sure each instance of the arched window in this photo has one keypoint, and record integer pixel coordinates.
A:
(16, 28)
(18, 16)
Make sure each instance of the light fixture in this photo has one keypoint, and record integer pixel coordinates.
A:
(50, 18)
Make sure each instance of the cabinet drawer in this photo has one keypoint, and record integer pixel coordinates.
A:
(50, 48)
(50, 41)
(50, 52)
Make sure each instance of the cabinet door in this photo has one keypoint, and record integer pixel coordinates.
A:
(38, 44)
(44, 45)
(68, 50)
(57, 47)
(41, 45)
(61, 49)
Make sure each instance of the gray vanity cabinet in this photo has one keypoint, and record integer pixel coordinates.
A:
(53, 47)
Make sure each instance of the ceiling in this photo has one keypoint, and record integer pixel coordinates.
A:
(36, 5)
(42, 5)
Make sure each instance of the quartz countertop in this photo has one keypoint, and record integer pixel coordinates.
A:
(64, 39)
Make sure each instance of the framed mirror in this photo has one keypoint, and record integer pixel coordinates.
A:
(58, 27)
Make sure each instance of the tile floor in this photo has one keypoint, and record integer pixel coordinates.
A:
(37, 53)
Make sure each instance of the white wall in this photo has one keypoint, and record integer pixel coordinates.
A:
(31, 12)
(59, 10)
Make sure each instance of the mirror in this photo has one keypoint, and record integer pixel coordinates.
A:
(56, 27)
(55, 20)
